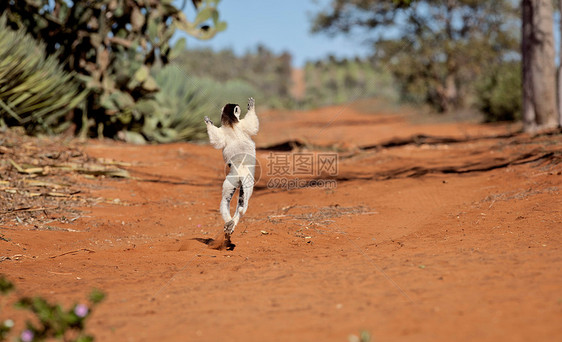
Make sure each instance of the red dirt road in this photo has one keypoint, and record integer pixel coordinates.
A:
(423, 239)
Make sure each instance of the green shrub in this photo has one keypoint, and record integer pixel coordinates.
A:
(499, 93)
(35, 91)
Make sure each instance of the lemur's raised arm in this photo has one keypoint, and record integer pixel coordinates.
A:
(250, 123)
(216, 136)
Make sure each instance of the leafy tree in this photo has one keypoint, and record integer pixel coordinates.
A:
(436, 49)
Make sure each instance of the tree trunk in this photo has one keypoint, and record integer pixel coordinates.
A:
(539, 70)
(526, 53)
(560, 65)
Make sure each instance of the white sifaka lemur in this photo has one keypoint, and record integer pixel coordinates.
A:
(239, 153)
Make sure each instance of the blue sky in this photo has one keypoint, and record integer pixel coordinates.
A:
(282, 25)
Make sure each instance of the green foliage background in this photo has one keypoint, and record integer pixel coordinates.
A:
(268, 73)
(334, 81)
(108, 68)
(438, 52)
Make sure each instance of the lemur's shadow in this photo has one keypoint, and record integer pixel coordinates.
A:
(219, 242)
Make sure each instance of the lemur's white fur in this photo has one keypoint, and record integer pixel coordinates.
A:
(239, 152)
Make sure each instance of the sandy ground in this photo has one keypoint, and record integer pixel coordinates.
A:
(433, 232)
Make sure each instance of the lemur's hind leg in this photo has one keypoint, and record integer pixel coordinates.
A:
(246, 189)
(228, 189)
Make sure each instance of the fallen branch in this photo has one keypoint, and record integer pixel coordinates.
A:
(28, 209)
(72, 252)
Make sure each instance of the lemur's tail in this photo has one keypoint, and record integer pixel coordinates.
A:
(241, 200)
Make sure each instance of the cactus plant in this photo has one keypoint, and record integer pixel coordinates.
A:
(35, 91)
(112, 45)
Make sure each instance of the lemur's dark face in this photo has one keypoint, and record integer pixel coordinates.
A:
(230, 114)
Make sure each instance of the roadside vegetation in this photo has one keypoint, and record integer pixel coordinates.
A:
(110, 69)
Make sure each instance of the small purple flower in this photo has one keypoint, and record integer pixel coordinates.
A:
(27, 335)
(81, 310)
